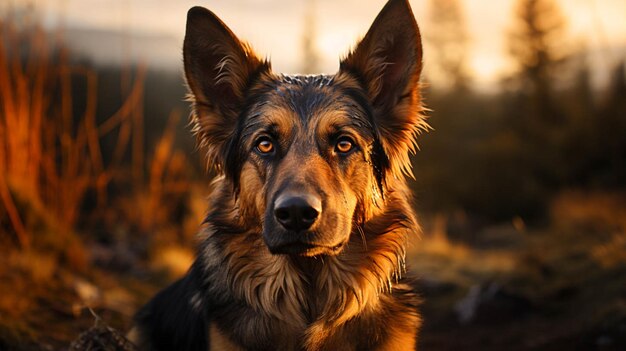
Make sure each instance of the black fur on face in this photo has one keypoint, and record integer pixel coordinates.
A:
(324, 147)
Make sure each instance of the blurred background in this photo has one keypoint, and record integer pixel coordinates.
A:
(520, 186)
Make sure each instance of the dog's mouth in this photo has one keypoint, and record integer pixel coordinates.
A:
(326, 237)
(307, 249)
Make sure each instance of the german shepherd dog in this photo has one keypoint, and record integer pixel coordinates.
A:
(304, 243)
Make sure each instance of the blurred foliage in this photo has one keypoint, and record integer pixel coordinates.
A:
(91, 192)
(501, 155)
(449, 41)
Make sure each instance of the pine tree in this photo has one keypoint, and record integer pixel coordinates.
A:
(448, 42)
(310, 54)
(536, 46)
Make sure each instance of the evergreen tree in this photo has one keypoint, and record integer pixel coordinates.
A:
(310, 54)
(536, 46)
(448, 42)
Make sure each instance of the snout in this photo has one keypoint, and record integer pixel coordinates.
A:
(298, 227)
(297, 213)
(304, 222)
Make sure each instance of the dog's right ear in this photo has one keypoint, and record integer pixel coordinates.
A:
(219, 68)
(388, 63)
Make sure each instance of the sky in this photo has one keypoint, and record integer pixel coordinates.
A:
(274, 28)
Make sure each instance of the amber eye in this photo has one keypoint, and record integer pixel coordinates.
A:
(265, 146)
(344, 145)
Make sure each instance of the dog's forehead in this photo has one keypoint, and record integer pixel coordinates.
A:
(305, 93)
(305, 96)
(319, 80)
(306, 105)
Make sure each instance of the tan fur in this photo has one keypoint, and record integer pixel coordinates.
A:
(220, 341)
(134, 336)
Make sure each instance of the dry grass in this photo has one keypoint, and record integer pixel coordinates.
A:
(435, 255)
(175, 260)
(612, 253)
(600, 214)
(591, 209)
(48, 160)
(167, 182)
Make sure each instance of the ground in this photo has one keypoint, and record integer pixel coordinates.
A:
(557, 289)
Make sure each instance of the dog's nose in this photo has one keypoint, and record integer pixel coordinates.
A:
(297, 212)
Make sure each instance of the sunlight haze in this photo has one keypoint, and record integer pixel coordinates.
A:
(274, 28)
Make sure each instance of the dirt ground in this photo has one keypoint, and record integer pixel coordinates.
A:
(562, 288)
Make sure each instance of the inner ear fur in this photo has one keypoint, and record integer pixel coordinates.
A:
(219, 68)
(388, 63)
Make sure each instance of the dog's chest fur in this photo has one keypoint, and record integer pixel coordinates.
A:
(372, 330)
(270, 303)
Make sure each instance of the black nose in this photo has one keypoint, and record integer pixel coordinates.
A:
(297, 212)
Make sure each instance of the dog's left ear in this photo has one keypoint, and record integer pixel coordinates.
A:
(388, 63)
(219, 68)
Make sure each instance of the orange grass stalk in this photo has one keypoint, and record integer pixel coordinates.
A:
(48, 160)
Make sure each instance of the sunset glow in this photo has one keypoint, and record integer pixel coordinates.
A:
(274, 27)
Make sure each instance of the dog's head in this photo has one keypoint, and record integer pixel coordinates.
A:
(310, 158)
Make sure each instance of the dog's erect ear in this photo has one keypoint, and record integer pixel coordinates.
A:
(219, 68)
(388, 63)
